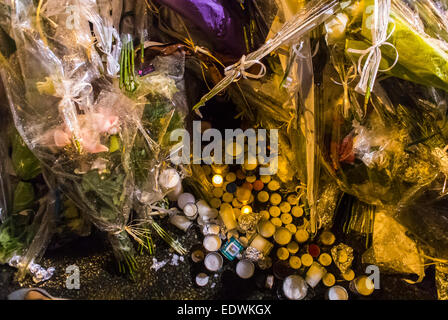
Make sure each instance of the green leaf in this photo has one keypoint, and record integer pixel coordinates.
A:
(24, 162)
(23, 196)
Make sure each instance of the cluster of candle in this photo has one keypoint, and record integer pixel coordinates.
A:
(280, 222)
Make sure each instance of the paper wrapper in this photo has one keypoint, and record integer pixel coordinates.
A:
(392, 250)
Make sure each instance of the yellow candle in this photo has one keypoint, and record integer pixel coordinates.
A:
(274, 211)
(265, 179)
(282, 236)
(227, 197)
(301, 236)
(265, 215)
(292, 228)
(261, 244)
(218, 192)
(217, 180)
(276, 222)
(329, 280)
(327, 238)
(263, 196)
(251, 179)
(307, 259)
(215, 203)
(266, 229)
(286, 218)
(293, 199)
(236, 203)
(297, 211)
(273, 185)
(325, 259)
(349, 275)
(249, 166)
(275, 199)
(228, 217)
(293, 247)
(282, 253)
(364, 285)
(295, 262)
(230, 177)
(285, 207)
(246, 209)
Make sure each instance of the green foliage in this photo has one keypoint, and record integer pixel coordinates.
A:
(23, 197)
(24, 162)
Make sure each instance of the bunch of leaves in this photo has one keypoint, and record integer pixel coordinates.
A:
(25, 164)
(16, 233)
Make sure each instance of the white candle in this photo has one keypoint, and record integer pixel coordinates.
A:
(212, 243)
(314, 274)
(245, 269)
(191, 211)
(171, 183)
(213, 261)
(295, 288)
(202, 279)
(205, 211)
(184, 199)
(261, 244)
(181, 222)
(337, 293)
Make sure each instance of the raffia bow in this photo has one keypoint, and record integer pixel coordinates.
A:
(373, 55)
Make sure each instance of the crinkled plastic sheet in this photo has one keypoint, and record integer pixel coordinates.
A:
(82, 131)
